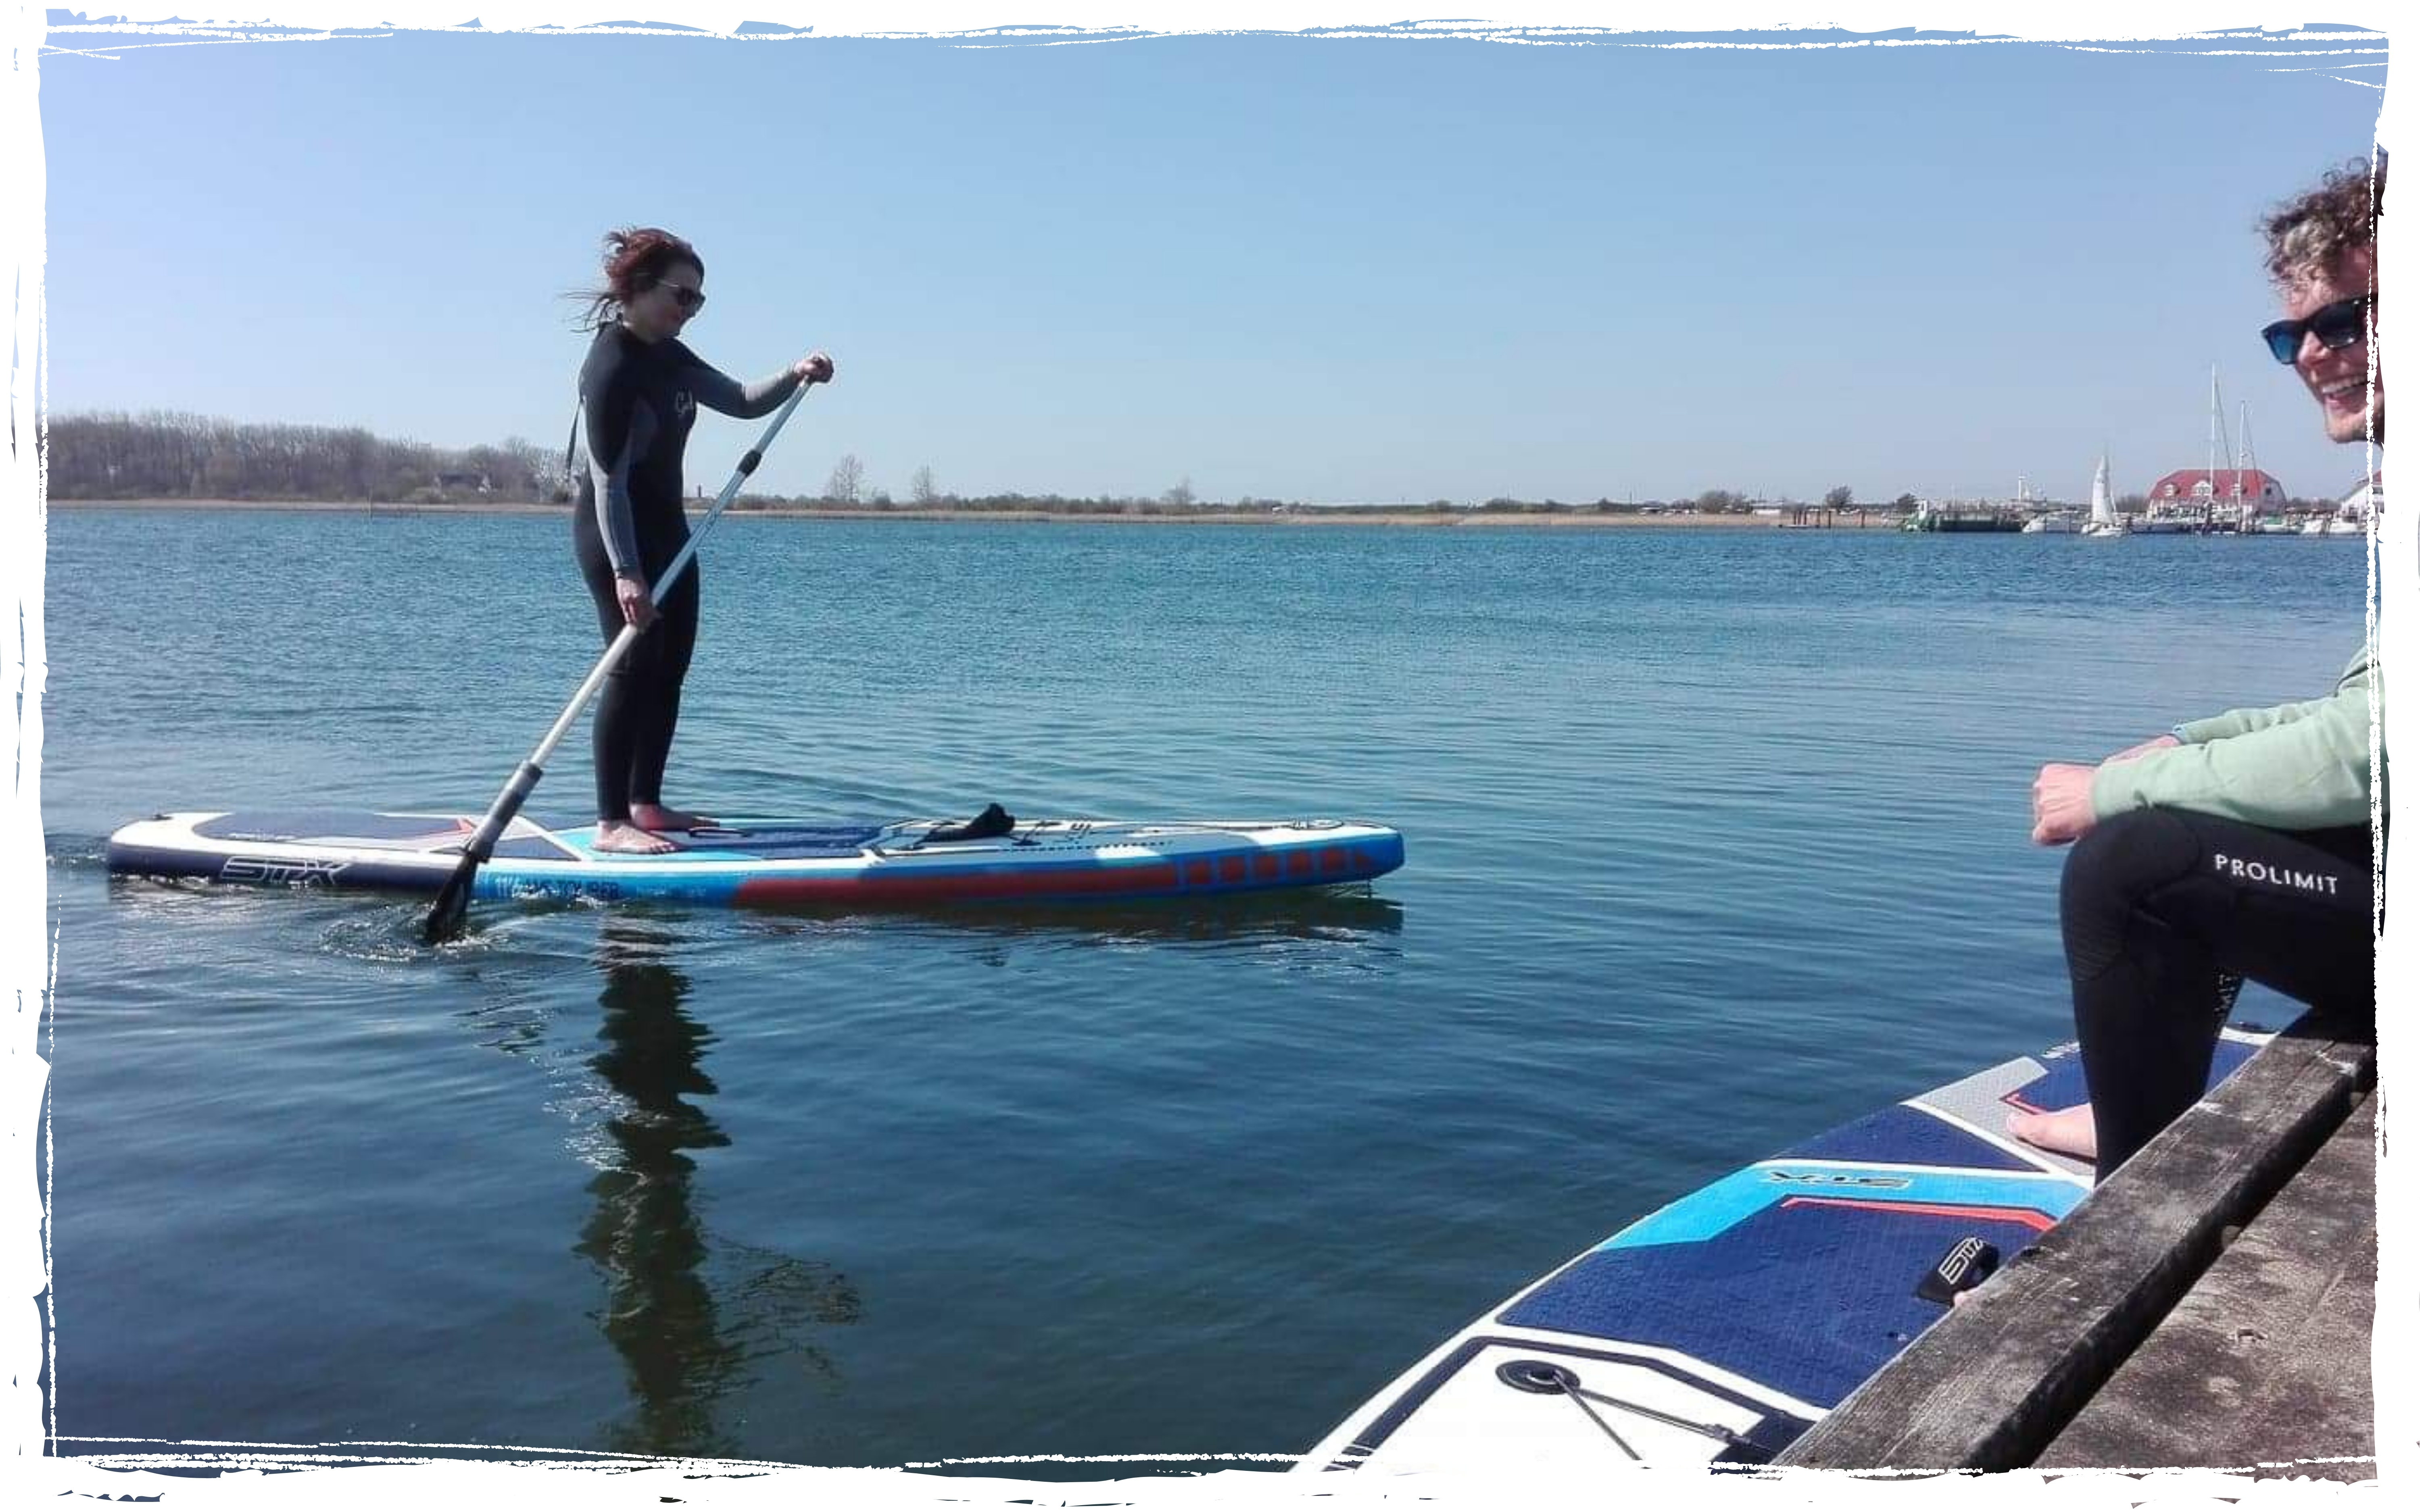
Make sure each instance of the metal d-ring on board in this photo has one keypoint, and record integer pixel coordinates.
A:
(1545, 1379)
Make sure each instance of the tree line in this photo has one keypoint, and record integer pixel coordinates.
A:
(163, 454)
(848, 489)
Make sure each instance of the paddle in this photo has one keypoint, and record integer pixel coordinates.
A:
(454, 898)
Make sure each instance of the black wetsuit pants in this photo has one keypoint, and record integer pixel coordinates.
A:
(635, 714)
(2157, 906)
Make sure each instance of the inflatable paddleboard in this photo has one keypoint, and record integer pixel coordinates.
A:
(767, 862)
(1720, 1328)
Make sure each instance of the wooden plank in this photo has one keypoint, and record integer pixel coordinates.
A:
(2266, 1362)
(1995, 1380)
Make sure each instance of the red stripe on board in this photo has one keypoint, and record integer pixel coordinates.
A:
(1191, 874)
(2037, 1221)
(950, 887)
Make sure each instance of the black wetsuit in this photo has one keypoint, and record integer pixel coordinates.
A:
(639, 399)
(2156, 904)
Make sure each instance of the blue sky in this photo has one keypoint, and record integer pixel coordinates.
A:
(1280, 266)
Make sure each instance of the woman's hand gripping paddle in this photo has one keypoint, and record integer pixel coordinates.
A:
(454, 898)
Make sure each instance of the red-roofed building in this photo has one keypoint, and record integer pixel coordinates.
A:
(2193, 486)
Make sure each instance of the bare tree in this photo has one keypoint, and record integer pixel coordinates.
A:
(847, 483)
(532, 467)
(1182, 495)
(919, 488)
(552, 475)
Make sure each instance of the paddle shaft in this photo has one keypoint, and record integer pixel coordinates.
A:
(482, 844)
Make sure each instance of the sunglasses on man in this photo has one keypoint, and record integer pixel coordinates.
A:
(2337, 326)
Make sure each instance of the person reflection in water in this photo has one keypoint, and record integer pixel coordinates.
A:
(683, 1348)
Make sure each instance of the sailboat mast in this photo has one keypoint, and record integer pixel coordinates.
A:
(2250, 466)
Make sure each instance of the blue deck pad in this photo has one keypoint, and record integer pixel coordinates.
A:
(1808, 1299)
(757, 840)
(1904, 1135)
(775, 841)
(2061, 1084)
(1803, 1275)
(1708, 1212)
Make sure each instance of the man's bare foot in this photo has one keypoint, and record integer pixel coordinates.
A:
(627, 840)
(656, 817)
(2066, 1132)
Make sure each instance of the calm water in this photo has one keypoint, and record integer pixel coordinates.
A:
(1716, 839)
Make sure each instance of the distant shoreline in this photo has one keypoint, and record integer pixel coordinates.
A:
(1408, 518)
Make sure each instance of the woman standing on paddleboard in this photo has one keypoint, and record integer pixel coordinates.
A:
(638, 392)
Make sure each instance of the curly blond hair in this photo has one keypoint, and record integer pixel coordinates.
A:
(2310, 233)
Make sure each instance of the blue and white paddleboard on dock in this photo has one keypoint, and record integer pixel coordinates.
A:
(763, 862)
(1720, 1328)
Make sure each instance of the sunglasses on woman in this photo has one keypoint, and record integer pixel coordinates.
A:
(686, 298)
(2337, 326)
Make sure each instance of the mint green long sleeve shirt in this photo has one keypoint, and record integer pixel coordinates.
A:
(2295, 767)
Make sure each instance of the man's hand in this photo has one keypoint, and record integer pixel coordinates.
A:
(2062, 803)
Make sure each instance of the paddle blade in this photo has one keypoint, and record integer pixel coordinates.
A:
(453, 903)
(454, 898)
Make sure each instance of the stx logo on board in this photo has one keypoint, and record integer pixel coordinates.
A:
(270, 870)
(1859, 1179)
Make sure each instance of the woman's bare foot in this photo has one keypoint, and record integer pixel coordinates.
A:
(656, 817)
(2066, 1132)
(627, 840)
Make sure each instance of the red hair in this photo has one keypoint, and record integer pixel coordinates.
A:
(636, 260)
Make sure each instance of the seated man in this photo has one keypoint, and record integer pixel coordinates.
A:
(2237, 846)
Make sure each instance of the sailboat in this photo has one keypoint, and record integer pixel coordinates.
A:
(2104, 524)
(2258, 517)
